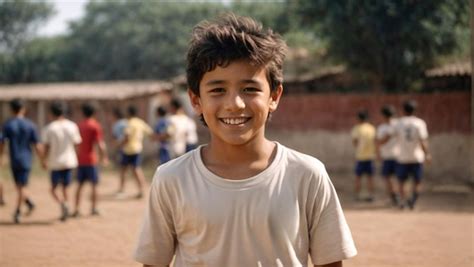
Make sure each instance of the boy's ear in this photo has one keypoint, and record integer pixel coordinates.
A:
(275, 97)
(195, 101)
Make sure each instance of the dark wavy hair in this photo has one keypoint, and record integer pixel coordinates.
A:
(230, 38)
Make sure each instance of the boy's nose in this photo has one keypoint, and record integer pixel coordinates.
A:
(235, 102)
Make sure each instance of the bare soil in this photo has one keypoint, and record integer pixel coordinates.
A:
(439, 232)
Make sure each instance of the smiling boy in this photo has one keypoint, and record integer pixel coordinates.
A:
(241, 200)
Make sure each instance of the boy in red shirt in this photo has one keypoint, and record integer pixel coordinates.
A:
(91, 134)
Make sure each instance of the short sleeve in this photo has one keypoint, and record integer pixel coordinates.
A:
(157, 237)
(423, 131)
(147, 129)
(330, 237)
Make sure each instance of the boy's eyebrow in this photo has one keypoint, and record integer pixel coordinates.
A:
(218, 82)
(250, 81)
(214, 82)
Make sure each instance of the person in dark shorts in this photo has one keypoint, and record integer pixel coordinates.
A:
(387, 151)
(132, 147)
(412, 137)
(21, 135)
(92, 136)
(60, 137)
(363, 139)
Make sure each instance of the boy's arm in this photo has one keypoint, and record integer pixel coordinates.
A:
(379, 143)
(124, 141)
(424, 146)
(334, 264)
(39, 150)
(45, 156)
(144, 265)
(354, 136)
(103, 152)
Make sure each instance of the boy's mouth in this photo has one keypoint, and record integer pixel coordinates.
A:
(235, 121)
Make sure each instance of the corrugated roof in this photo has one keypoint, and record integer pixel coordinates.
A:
(111, 90)
(454, 69)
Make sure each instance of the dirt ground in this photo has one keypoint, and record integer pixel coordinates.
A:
(439, 232)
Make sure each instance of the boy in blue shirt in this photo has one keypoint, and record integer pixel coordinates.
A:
(21, 135)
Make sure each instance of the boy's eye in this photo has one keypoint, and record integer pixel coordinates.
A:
(216, 90)
(251, 89)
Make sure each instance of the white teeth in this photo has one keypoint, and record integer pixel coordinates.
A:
(234, 121)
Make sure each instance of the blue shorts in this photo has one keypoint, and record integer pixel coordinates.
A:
(364, 167)
(389, 167)
(133, 160)
(407, 169)
(87, 173)
(21, 176)
(61, 177)
(164, 155)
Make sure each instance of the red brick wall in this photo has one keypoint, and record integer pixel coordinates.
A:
(443, 112)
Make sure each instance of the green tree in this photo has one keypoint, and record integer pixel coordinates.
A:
(19, 19)
(133, 40)
(393, 41)
(42, 59)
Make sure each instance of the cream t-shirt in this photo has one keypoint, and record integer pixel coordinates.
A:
(272, 219)
(61, 136)
(411, 131)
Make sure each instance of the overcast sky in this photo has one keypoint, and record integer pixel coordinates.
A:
(66, 10)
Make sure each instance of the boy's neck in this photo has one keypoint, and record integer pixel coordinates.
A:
(238, 161)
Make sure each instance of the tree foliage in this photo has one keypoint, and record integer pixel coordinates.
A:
(18, 20)
(133, 40)
(394, 40)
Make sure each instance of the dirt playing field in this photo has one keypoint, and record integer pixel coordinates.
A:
(440, 232)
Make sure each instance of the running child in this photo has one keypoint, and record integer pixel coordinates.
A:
(132, 147)
(60, 137)
(91, 135)
(21, 135)
(241, 200)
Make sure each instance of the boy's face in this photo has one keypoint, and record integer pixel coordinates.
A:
(235, 101)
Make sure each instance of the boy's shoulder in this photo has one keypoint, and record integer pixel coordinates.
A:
(177, 168)
(302, 161)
